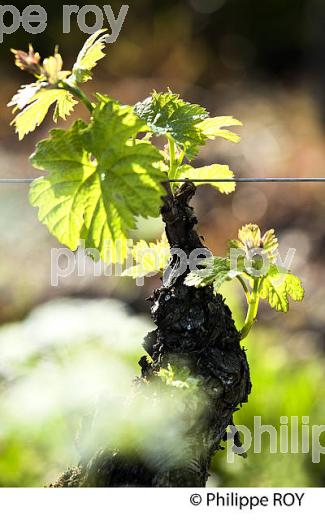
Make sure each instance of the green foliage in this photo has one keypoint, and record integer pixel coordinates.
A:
(105, 174)
(36, 108)
(53, 85)
(187, 127)
(213, 127)
(24, 96)
(150, 258)
(52, 69)
(207, 173)
(277, 287)
(100, 179)
(187, 124)
(251, 258)
(89, 56)
(35, 100)
(58, 194)
(250, 238)
(167, 114)
(215, 271)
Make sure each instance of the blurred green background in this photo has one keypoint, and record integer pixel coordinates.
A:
(61, 348)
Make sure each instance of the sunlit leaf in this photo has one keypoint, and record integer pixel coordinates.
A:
(96, 187)
(214, 271)
(37, 108)
(167, 114)
(270, 244)
(150, 258)
(64, 106)
(89, 56)
(250, 236)
(57, 195)
(277, 287)
(52, 69)
(215, 171)
(275, 284)
(24, 95)
(213, 127)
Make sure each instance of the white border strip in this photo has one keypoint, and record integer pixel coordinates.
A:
(158, 504)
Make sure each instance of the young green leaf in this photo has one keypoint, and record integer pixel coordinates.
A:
(24, 95)
(167, 114)
(265, 281)
(215, 171)
(114, 126)
(89, 56)
(58, 194)
(150, 258)
(34, 100)
(64, 106)
(100, 179)
(269, 242)
(213, 127)
(277, 287)
(38, 106)
(52, 69)
(214, 271)
(250, 238)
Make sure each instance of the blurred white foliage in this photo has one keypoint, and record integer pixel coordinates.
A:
(64, 356)
(68, 322)
(71, 363)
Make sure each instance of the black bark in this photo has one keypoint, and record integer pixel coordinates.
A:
(195, 331)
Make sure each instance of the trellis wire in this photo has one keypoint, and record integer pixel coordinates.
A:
(256, 179)
(240, 179)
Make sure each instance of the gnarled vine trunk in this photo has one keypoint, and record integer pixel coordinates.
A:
(195, 331)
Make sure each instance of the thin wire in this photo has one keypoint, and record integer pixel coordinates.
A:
(257, 179)
(240, 179)
(16, 181)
